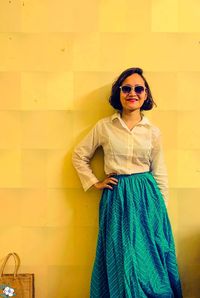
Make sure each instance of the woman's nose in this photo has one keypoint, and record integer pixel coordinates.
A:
(132, 91)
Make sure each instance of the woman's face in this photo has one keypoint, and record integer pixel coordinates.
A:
(133, 101)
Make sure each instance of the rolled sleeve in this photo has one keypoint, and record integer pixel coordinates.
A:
(82, 155)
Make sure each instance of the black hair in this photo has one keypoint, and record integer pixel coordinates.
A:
(114, 98)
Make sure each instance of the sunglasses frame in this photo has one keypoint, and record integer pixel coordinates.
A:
(132, 88)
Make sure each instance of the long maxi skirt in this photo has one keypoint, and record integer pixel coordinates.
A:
(135, 254)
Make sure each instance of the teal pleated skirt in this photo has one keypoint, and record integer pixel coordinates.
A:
(135, 253)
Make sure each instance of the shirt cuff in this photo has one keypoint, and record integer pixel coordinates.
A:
(89, 183)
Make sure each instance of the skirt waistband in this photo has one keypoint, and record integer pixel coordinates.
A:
(129, 175)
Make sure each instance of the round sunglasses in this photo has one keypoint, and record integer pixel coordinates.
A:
(127, 89)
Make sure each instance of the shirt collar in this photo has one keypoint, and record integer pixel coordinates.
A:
(144, 121)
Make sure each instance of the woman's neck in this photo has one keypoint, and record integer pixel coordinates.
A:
(131, 116)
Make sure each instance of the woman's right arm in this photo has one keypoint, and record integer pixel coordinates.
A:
(81, 158)
(82, 155)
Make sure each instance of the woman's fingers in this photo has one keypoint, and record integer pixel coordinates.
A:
(106, 183)
(108, 186)
(113, 180)
(109, 181)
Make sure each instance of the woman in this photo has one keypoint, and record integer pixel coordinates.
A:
(135, 255)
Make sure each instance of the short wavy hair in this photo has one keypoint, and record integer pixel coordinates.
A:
(114, 98)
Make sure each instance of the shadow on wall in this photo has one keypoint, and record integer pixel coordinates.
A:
(82, 210)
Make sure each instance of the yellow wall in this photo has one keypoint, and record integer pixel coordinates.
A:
(58, 60)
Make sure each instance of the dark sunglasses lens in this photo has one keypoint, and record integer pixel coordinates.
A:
(126, 89)
(139, 89)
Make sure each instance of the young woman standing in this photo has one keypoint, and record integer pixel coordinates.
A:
(135, 254)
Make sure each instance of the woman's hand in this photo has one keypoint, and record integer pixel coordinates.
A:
(107, 182)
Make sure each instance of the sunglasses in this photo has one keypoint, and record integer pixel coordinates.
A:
(127, 89)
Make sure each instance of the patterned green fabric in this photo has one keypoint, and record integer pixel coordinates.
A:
(135, 254)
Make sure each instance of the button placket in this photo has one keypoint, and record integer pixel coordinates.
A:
(130, 149)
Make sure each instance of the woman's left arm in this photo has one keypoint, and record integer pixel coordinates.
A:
(157, 164)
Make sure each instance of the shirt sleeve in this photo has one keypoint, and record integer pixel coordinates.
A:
(82, 155)
(157, 164)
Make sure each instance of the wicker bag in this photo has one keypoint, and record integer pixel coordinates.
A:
(20, 285)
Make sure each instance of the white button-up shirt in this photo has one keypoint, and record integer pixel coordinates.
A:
(125, 151)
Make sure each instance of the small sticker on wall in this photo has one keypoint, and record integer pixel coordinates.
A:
(7, 291)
